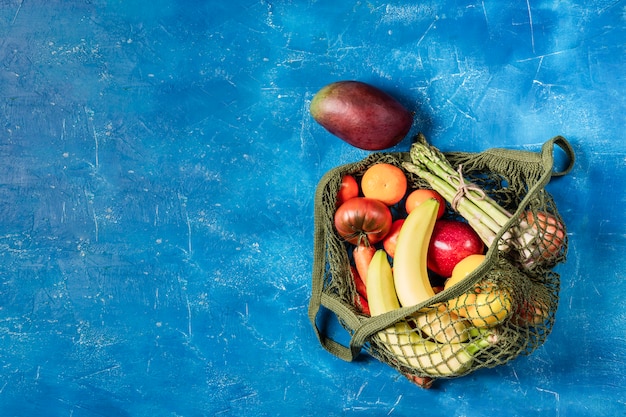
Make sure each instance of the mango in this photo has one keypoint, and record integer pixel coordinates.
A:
(361, 115)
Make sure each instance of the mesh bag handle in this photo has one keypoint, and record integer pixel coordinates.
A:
(536, 167)
(318, 297)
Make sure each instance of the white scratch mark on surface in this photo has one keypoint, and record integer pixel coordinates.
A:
(110, 368)
(188, 233)
(89, 115)
(595, 288)
(556, 397)
(188, 317)
(95, 222)
(19, 7)
(305, 125)
(95, 138)
(244, 397)
(604, 9)
(538, 69)
(458, 109)
(485, 13)
(63, 130)
(146, 128)
(183, 289)
(393, 407)
(548, 87)
(358, 394)
(432, 24)
(590, 67)
(458, 68)
(532, 31)
(541, 56)
(183, 202)
(89, 196)
(520, 386)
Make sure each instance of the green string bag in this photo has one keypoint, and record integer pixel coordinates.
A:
(505, 307)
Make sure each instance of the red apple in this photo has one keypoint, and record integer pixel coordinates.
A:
(452, 241)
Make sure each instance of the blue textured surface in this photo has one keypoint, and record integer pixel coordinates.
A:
(157, 171)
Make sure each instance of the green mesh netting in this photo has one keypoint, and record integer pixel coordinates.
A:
(503, 309)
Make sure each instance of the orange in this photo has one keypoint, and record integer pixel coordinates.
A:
(417, 197)
(384, 182)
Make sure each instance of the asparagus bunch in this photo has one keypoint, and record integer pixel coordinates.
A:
(537, 239)
(483, 213)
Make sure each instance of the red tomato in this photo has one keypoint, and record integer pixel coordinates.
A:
(349, 189)
(389, 243)
(362, 220)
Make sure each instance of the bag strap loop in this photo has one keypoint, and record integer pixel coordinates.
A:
(547, 153)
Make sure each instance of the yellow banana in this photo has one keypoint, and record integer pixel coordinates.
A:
(409, 263)
(381, 292)
(405, 344)
(431, 358)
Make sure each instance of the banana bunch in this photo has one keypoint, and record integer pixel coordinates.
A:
(435, 341)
